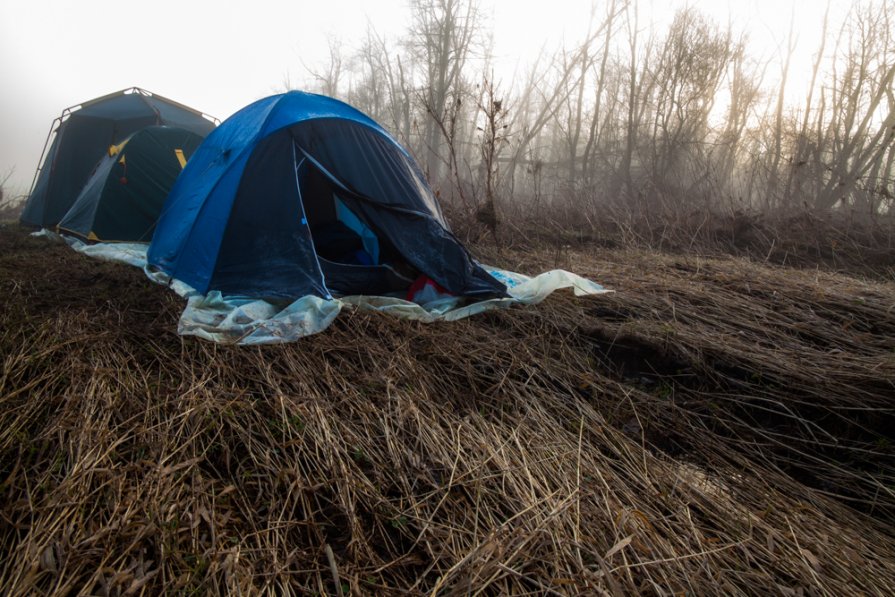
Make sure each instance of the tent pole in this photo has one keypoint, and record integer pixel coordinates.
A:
(43, 154)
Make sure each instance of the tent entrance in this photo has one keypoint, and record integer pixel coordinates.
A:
(354, 257)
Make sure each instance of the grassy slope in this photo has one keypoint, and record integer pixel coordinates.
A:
(716, 426)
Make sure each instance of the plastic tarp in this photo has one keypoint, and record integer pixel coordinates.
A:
(246, 321)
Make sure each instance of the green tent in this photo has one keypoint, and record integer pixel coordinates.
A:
(123, 198)
(81, 135)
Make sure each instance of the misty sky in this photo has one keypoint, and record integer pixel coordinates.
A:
(219, 56)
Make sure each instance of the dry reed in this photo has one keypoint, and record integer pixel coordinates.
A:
(715, 427)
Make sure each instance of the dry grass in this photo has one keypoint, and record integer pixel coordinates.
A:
(848, 242)
(715, 427)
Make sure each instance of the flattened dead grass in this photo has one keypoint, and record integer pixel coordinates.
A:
(714, 427)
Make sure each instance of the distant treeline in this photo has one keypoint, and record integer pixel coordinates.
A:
(631, 116)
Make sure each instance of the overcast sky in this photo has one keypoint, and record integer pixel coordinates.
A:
(219, 56)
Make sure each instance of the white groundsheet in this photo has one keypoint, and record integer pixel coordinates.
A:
(242, 320)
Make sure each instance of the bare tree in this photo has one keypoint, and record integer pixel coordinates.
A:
(493, 136)
(629, 112)
(600, 91)
(573, 111)
(745, 76)
(638, 89)
(327, 80)
(10, 207)
(563, 77)
(775, 155)
(861, 125)
(688, 70)
(803, 143)
(443, 35)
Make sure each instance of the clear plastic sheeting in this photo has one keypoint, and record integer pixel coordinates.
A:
(522, 290)
(234, 320)
(247, 321)
(129, 253)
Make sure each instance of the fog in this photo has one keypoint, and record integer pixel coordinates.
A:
(527, 106)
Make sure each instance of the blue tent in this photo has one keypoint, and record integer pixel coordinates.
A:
(300, 194)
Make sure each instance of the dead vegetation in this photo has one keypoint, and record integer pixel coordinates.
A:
(838, 241)
(714, 427)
